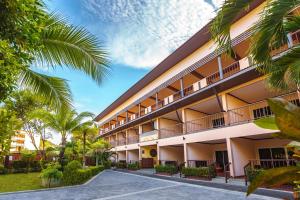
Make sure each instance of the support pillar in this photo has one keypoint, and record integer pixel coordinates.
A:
(185, 154)
(181, 87)
(220, 67)
(230, 157)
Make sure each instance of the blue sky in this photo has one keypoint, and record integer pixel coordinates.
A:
(138, 34)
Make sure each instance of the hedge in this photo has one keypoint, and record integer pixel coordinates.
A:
(170, 169)
(74, 174)
(204, 172)
(121, 165)
(252, 173)
(96, 169)
(133, 166)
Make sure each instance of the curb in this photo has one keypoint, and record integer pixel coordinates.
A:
(261, 191)
(54, 188)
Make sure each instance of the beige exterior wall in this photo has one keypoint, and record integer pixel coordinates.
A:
(172, 153)
(121, 155)
(192, 114)
(166, 123)
(133, 155)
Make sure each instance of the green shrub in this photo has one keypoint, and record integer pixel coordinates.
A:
(252, 173)
(121, 165)
(133, 166)
(107, 164)
(35, 166)
(197, 172)
(69, 174)
(170, 169)
(51, 176)
(95, 170)
(74, 174)
(212, 171)
(19, 166)
(3, 170)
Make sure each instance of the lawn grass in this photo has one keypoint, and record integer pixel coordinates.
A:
(19, 182)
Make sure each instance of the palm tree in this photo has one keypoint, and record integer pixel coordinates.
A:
(271, 31)
(64, 121)
(64, 45)
(82, 131)
(101, 150)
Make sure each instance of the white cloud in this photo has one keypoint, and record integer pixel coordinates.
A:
(142, 33)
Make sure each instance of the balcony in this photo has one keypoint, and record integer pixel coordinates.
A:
(133, 139)
(195, 87)
(149, 136)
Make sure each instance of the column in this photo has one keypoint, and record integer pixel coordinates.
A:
(220, 67)
(290, 40)
(156, 100)
(230, 157)
(181, 87)
(185, 154)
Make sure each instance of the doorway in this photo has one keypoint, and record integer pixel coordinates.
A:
(221, 161)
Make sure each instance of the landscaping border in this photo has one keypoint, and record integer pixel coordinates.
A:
(55, 188)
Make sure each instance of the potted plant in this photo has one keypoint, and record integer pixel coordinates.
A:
(51, 176)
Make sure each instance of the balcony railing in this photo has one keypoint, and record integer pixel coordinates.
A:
(175, 130)
(122, 142)
(113, 143)
(199, 163)
(213, 78)
(236, 116)
(148, 136)
(132, 139)
(271, 163)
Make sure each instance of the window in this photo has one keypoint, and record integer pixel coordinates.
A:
(262, 112)
(272, 157)
(218, 122)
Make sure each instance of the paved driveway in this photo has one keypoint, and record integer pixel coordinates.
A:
(120, 186)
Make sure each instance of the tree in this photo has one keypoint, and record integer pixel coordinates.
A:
(64, 121)
(286, 119)
(30, 109)
(37, 37)
(101, 150)
(8, 126)
(86, 132)
(271, 31)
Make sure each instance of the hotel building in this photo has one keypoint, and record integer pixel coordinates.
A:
(198, 106)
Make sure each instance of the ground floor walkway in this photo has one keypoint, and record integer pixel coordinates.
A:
(119, 186)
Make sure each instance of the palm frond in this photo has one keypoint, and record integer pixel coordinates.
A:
(274, 177)
(74, 47)
(220, 27)
(269, 31)
(55, 89)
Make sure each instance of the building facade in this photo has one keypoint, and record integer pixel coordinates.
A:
(198, 106)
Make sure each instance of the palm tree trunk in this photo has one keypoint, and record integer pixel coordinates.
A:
(62, 150)
(84, 143)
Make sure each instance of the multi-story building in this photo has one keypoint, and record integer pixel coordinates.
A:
(17, 142)
(198, 106)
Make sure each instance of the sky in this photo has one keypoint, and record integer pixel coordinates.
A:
(137, 34)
